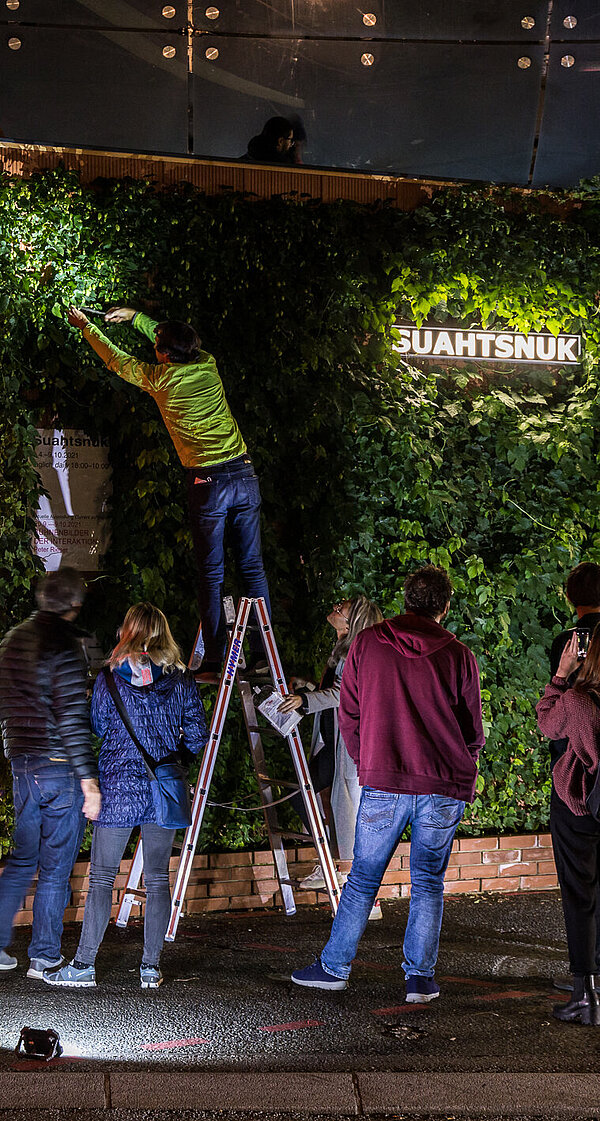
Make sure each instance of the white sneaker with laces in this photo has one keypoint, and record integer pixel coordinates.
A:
(315, 881)
(376, 912)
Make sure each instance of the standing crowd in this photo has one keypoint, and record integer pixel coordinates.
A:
(397, 726)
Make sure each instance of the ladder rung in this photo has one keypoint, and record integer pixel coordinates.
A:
(136, 892)
(266, 781)
(294, 836)
(264, 731)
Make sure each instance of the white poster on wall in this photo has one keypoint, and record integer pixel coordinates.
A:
(72, 522)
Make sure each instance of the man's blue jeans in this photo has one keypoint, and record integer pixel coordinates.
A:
(382, 819)
(48, 830)
(218, 496)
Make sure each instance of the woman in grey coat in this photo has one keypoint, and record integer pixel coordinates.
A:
(332, 770)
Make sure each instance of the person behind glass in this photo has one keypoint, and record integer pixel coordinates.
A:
(573, 713)
(279, 142)
(583, 592)
(162, 702)
(333, 772)
(222, 485)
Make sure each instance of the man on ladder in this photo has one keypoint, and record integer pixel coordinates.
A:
(221, 482)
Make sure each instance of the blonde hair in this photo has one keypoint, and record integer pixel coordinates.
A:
(145, 631)
(363, 613)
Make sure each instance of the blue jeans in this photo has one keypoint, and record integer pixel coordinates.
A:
(108, 846)
(382, 819)
(226, 494)
(47, 838)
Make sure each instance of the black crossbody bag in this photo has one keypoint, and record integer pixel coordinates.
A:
(168, 776)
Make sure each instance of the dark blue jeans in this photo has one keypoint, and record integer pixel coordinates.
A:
(225, 495)
(48, 830)
(382, 819)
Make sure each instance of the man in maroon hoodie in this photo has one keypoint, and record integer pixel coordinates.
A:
(410, 716)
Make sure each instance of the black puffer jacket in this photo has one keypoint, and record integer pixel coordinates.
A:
(43, 709)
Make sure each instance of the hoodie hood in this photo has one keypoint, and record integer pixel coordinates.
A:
(139, 671)
(413, 636)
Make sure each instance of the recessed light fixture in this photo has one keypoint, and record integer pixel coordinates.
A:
(567, 61)
(369, 19)
(367, 59)
(211, 53)
(528, 22)
(524, 62)
(570, 22)
(14, 44)
(169, 11)
(12, 5)
(169, 51)
(212, 13)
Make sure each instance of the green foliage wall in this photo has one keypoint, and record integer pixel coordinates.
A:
(368, 466)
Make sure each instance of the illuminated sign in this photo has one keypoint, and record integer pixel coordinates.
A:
(488, 346)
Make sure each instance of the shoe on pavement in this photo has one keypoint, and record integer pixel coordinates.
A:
(69, 977)
(315, 977)
(420, 990)
(376, 912)
(150, 977)
(7, 962)
(38, 965)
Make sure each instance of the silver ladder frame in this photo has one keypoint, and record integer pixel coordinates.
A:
(230, 676)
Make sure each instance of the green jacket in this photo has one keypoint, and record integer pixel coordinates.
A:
(190, 397)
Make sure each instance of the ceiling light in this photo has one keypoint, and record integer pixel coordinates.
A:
(367, 59)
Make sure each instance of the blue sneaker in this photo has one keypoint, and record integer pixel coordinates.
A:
(315, 977)
(6, 961)
(69, 977)
(150, 976)
(420, 990)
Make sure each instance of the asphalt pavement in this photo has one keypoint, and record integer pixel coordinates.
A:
(229, 1032)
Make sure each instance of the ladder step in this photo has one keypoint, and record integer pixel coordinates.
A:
(136, 892)
(305, 838)
(266, 781)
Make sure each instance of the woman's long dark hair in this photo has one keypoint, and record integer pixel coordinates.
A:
(588, 678)
(363, 613)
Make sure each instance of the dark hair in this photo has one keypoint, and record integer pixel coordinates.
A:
(178, 341)
(427, 591)
(583, 585)
(588, 678)
(59, 591)
(275, 128)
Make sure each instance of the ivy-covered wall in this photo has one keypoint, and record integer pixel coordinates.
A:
(368, 465)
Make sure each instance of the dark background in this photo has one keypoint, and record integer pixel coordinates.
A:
(445, 96)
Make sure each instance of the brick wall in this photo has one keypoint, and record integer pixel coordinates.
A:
(245, 880)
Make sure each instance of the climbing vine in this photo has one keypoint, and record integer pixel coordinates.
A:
(369, 465)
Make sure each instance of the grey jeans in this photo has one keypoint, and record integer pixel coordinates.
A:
(108, 846)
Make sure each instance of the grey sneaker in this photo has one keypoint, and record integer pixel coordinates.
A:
(150, 976)
(69, 977)
(6, 962)
(38, 965)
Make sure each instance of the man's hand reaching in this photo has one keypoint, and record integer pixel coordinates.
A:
(119, 315)
(77, 318)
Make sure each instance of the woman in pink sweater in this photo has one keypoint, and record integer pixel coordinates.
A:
(574, 713)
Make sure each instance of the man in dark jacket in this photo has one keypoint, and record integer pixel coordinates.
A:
(410, 716)
(46, 734)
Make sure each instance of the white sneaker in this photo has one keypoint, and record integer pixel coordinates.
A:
(315, 881)
(376, 912)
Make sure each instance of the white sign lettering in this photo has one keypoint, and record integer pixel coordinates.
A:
(488, 346)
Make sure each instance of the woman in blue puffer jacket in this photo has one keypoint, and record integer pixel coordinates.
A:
(162, 702)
